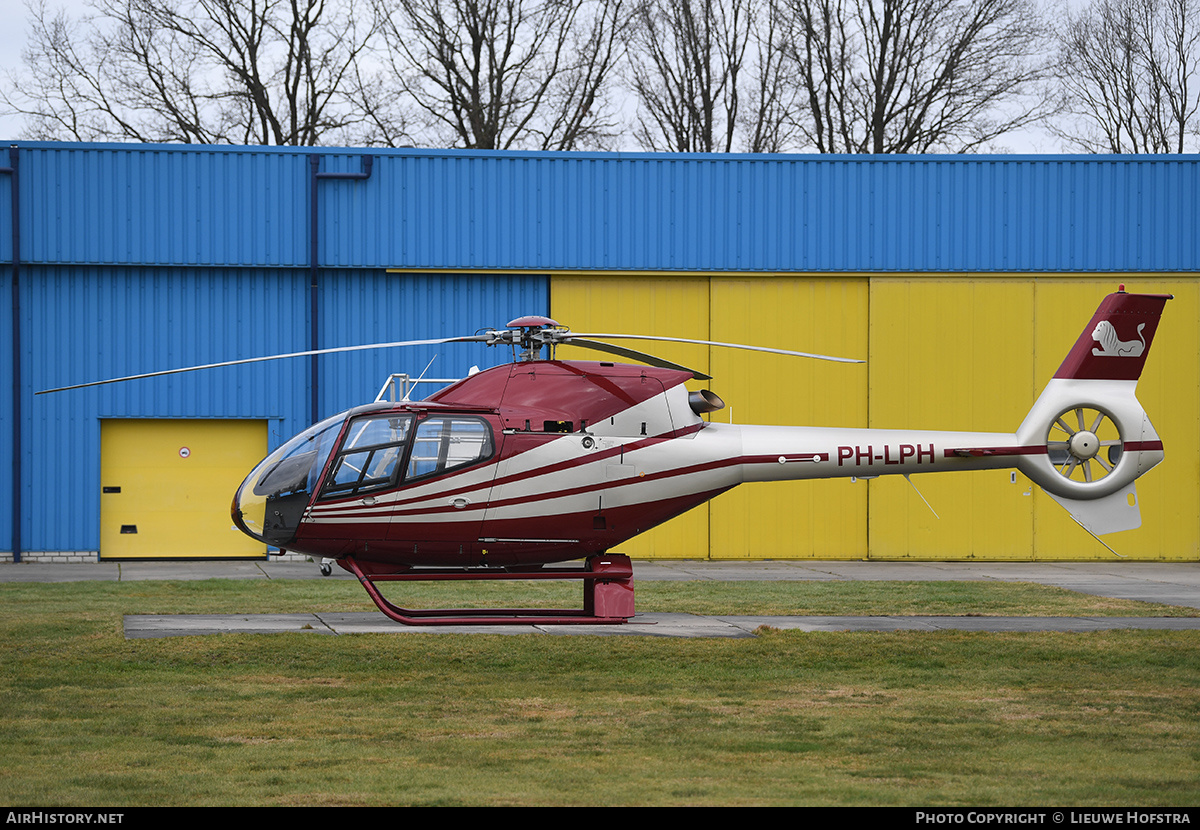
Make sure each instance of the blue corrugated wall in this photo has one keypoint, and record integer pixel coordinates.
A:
(366, 307)
(167, 205)
(90, 322)
(138, 258)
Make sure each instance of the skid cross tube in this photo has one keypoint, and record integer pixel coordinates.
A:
(607, 595)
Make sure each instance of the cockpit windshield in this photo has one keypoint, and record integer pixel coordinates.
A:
(294, 467)
(271, 500)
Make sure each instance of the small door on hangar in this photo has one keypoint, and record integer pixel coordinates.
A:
(166, 487)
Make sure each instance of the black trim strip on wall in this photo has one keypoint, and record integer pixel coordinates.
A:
(11, 170)
(314, 334)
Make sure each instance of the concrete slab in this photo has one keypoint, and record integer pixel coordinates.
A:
(145, 626)
(644, 625)
(659, 625)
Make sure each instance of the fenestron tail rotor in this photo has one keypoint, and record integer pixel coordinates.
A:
(1084, 444)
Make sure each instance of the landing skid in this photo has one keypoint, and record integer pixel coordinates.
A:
(607, 595)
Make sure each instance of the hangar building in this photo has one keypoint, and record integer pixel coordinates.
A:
(961, 280)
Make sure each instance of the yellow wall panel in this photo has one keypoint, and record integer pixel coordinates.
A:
(826, 315)
(167, 486)
(973, 353)
(803, 519)
(951, 354)
(664, 306)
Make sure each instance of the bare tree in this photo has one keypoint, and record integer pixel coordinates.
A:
(198, 71)
(915, 76)
(686, 64)
(501, 74)
(769, 121)
(1128, 73)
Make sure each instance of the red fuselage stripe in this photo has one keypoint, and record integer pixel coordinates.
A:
(591, 487)
(988, 451)
(1143, 446)
(1128, 446)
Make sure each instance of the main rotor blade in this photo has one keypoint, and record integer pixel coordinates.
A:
(641, 357)
(475, 338)
(572, 336)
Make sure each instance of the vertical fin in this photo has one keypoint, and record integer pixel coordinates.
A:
(1116, 342)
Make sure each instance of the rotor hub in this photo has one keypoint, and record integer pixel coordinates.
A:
(1084, 445)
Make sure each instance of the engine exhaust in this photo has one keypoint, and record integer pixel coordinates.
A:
(705, 401)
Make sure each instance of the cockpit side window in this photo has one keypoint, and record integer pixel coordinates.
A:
(369, 457)
(445, 443)
(373, 455)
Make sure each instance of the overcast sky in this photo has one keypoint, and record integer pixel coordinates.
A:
(15, 28)
(12, 41)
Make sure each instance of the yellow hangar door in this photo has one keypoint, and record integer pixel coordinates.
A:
(811, 313)
(166, 487)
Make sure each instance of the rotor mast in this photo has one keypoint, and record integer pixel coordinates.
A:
(530, 334)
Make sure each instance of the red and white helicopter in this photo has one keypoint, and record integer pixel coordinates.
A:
(544, 461)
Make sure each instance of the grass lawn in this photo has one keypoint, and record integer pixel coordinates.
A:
(913, 718)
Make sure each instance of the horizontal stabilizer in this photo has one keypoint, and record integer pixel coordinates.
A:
(1110, 514)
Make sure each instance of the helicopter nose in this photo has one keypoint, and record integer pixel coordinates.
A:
(248, 518)
(269, 504)
(271, 518)
(249, 510)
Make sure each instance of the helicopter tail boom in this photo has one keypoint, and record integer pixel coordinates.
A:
(1085, 441)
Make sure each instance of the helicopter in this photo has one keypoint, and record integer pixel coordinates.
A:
(515, 470)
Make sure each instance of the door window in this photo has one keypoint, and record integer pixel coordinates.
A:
(445, 443)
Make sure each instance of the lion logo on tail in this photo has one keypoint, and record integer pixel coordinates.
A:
(1112, 346)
